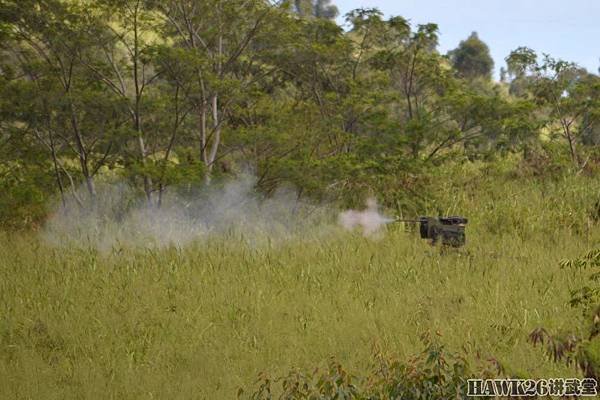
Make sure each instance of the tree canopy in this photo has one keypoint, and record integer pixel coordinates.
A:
(472, 58)
(171, 94)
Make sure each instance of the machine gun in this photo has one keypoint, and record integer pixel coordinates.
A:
(450, 230)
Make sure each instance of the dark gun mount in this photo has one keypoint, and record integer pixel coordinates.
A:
(450, 230)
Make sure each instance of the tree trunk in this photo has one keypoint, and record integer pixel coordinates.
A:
(147, 179)
(571, 139)
(216, 134)
(83, 161)
(138, 99)
(203, 138)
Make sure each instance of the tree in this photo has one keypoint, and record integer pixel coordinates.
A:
(521, 64)
(122, 30)
(472, 58)
(487, 124)
(316, 8)
(324, 9)
(566, 93)
(55, 100)
(223, 62)
(418, 78)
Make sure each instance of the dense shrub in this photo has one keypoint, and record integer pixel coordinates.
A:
(433, 374)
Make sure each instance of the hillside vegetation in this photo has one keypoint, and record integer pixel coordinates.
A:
(204, 320)
(171, 174)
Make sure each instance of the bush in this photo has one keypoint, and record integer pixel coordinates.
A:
(433, 374)
(582, 349)
(25, 195)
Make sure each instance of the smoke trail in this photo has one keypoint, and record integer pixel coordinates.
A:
(369, 219)
(235, 209)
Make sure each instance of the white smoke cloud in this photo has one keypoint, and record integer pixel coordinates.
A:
(120, 219)
(369, 220)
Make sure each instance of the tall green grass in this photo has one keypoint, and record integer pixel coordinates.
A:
(202, 321)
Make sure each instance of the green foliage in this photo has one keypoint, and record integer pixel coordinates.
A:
(520, 60)
(25, 202)
(205, 319)
(433, 374)
(173, 95)
(315, 8)
(583, 346)
(167, 93)
(566, 96)
(472, 58)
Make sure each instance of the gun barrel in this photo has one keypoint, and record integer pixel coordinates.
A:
(406, 220)
(454, 220)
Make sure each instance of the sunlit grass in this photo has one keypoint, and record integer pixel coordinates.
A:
(202, 321)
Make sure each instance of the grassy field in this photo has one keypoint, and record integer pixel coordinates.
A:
(204, 320)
